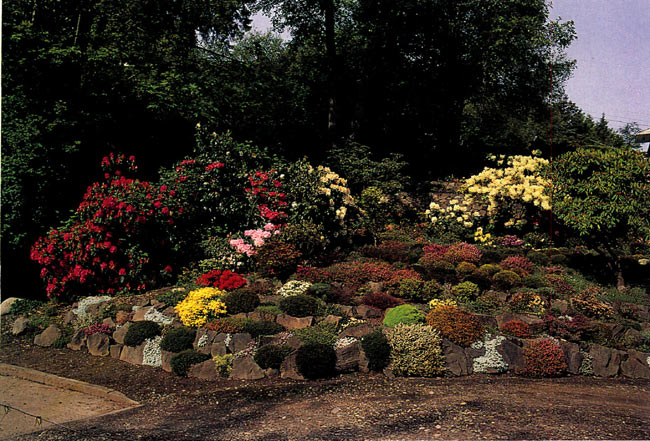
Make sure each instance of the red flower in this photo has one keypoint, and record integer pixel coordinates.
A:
(168, 269)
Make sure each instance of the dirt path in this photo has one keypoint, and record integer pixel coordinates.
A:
(347, 407)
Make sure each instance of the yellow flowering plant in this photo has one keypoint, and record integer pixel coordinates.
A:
(200, 306)
(435, 303)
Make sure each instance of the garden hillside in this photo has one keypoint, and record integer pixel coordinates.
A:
(237, 263)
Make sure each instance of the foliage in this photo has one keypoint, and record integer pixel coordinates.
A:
(528, 301)
(321, 291)
(316, 360)
(406, 314)
(543, 358)
(184, 360)
(271, 356)
(241, 300)
(138, 332)
(461, 327)
(376, 348)
(380, 300)
(172, 297)
(294, 287)
(227, 325)
(324, 333)
(506, 279)
(418, 290)
(465, 292)
(277, 258)
(224, 364)
(255, 329)
(98, 328)
(587, 302)
(516, 328)
(392, 251)
(200, 305)
(439, 270)
(178, 339)
(572, 328)
(223, 280)
(24, 306)
(518, 264)
(415, 350)
(299, 305)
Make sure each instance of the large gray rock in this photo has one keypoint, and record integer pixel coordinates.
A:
(5, 306)
(239, 342)
(120, 333)
(348, 357)
(21, 326)
(206, 370)
(78, 341)
(289, 369)
(292, 323)
(512, 354)
(572, 356)
(98, 344)
(258, 316)
(132, 354)
(606, 362)
(456, 361)
(635, 365)
(69, 317)
(92, 310)
(347, 310)
(560, 305)
(47, 338)
(245, 368)
(332, 319)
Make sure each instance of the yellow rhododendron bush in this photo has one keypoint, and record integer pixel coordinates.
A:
(200, 306)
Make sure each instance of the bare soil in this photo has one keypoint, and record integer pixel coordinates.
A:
(356, 406)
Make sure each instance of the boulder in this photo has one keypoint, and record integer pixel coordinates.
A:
(363, 362)
(206, 370)
(5, 306)
(632, 337)
(239, 342)
(635, 365)
(258, 316)
(368, 312)
(170, 311)
(240, 316)
(115, 351)
(512, 354)
(98, 344)
(572, 356)
(93, 309)
(166, 358)
(20, 326)
(347, 310)
(456, 361)
(281, 339)
(133, 354)
(289, 369)
(69, 317)
(158, 304)
(292, 323)
(335, 319)
(141, 300)
(120, 332)
(47, 338)
(348, 357)
(358, 331)
(245, 368)
(109, 321)
(606, 362)
(271, 373)
(218, 348)
(140, 313)
(560, 305)
(204, 339)
(78, 341)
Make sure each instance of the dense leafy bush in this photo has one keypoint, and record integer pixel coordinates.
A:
(381, 300)
(375, 346)
(241, 300)
(516, 328)
(415, 350)
(271, 356)
(138, 332)
(321, 291)
(418, 290)
(277, 258)
(543, 358)
(528, 301)
(442, 271)
(316, 360)
(506, 279)
(224, 280)
(462, 252)
(464, 269)
(406, 314)
(323, 333)
(587, 302)
(535, 281)
(24, 306)
(255, 329)
(572, 328)
(183, 361)
(200, 306)
(172, 297)
(465, 292)
(393, 251)
(223, 364)
(455, 324)
(299, 305)
(518, 264)
(539, 258)
(178, 339)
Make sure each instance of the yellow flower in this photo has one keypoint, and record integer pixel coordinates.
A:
(199, 305)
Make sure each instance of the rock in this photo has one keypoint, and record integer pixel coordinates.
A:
(271, 373)
(269, 299)
(526, 318)
(69, 317)
(347, 310)
(170, 311)
(206, 370)
(218, 348)
(389, 373)
(363, 362)
(166, 358)
(204, 339)
(98, 344)
(258, 316)
(618, 331)
(121, 317)
(140, 313)
(358, 331)
(486, 320)
(512, 354)
(109, 321)
(115, 351)
(5, 306)
(606, 362)
(645, 326)
(132, 354)
(292, 323)
(245, 368)
(120, 332)
(21, 325)
(335, 319)
(239, 342)
(375, 287)
(288, 369)
(632, 337)
(47, 338)
(560, 305)
(348, 357)
(456, 361)
(78, 341)
(572, 356)
(635, 365)
(158, 304)
(501, 296)
(140, 301)
(240, 316)
(92, 310)
(368, 312)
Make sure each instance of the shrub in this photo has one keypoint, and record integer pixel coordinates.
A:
(538, 258)
(571, 328)
(375, 346)
(201, 305)
(240, 301)
(415, 350)
(490, 268)
(255, 329)
(481, 277)
(61, 342)
(527, 301)
(223, 280)
(460, 327)
(321, 291)
(316, 360)
(224, 364)
(543, 358)
(294, 287)
(271, 356)
(323, 333)
(183, 361)
(418, 290)
(464, 269)
(559, 259)
(516, 328)
(587, 303)
(406, 314)
(178, 339)
(381, 300)
(138, 332)
(227, 325)
(535, 281)
(518, 264)
(266, 309)
(462, 252)
(313, 275)
(443, 271)
(277, 259)
(299, 305)
(506, 279)
(24, 306)
(433, 304)
(465, 292)
(392, 251)
(172, 297)
(98, 328)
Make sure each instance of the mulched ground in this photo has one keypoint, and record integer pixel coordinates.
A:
(353, 406)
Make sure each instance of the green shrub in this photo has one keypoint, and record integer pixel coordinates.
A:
(406, 314)
(538, 258)
(559, 259)
(441, 270)
(316, 360)
(535, 281)
(224, 364)
(138, 332)
(415, 350)
(181, 362)
(299, 305)
(506, 279)
(24, 306)
(321, 290)
(178, 339)
(269, 309)
(465, 292)
(418, 290)
(241, 300)
(464, 269)
(375, 346)
(481, 277)
(255, 329)
(61, 342)
(323, 333)
(490, 268)
(172, 297)
(271, 356)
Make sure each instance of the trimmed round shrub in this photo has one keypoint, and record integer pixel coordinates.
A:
(464, 269)
(271, 356)
(406, 314)
(183, 361)
(517, 328)
(240, 301)
(490, 268)
(415, 350)
(456, 325)
(323, 333)
(481, 277)
(506, 279)
(535, 281)
(518, 264)
(316, 360)
(559, 259)
(321, 290)
(538, 258)
(418, 290)
(138, 332)
(299, 305)
(381, 300)
(465, 292)
(178, 339)
(375, 346)
(462, 252)
(255, 329)
(543, 358)
(441, 270)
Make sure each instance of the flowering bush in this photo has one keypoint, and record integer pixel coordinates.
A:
(516, 328)
(200, 305)
(98, 328)
(224, 280)
(518, 264)
(528, 301)
(433, 304)
(461, 327)
(294, 287)
(567, 327)
(454, 219)
(462, 252)
(543, 358)
(587, 302)
(415, 350)
(119, 238)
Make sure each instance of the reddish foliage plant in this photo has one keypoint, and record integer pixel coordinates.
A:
(519, 264)
(516, 328)
(223, 280)
(381, 300)
(457, 325)
(543, 358)
(98, 328)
